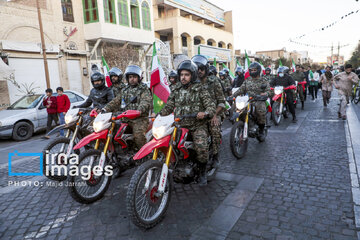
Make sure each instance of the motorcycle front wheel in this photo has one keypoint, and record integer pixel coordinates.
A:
(86, 186)
(147, 207)
(276, 116)
(357, 96)
(238, 144)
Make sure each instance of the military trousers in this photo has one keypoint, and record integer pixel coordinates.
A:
(215, 133)
(200, 139)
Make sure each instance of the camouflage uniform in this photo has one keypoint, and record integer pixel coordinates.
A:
(117, 88)
(215, 90)
(267, 77)
(143, 104)
(194, 99)
(252, 87)
(227, 85)
(299, 77)
(172, 86)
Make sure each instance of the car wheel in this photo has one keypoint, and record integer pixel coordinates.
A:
(22, 131)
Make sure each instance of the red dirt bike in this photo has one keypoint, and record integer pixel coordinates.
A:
(174, 158)
(279, 106)
(115, 156)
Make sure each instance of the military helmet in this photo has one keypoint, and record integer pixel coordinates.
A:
(190, 66)
(239, 69)
(212, 70)
(133, 70)
(226, 70)
(257, 66)
(222, 73)
(267, 69)
(116, 72)
(286, 70)
(202, 62)
(173, 74)
(281, 69)
(97, 76)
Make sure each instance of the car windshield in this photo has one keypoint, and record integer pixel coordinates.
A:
(26, 102)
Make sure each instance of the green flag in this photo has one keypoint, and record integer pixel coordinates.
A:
(199, 49)
(231, 74)
(280, 63)
(238, 64)
(214, 63)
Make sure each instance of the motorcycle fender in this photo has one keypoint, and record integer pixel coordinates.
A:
(276, 97)
(150, 146)
(86, 140)
(60, 127)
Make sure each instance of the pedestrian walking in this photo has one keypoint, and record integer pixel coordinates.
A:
(314, 81)
(343, 82)
(327, 81)
(51, 107)
(63, 105)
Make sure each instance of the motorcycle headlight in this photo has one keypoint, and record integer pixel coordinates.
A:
(278, 91)
(70, 118)
(159, 132)
(240, 105)
(98, 126)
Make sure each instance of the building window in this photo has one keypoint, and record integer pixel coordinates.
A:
(184, 41)
(123, 12)
(109, 11)
(67, 10)
(135, 16)
(146, 16)
(220, 45)
(209, 43)
(163, 38)
(90, 11)
(197, 41)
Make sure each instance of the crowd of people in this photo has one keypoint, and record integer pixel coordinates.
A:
(196, 88)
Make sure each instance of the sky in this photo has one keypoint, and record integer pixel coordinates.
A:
(260, 25)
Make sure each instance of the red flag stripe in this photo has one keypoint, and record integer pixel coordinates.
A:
(155, 77)
(161, 92)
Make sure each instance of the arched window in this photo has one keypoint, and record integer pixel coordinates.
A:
(135, 17)
(123, 12)
(145, 15)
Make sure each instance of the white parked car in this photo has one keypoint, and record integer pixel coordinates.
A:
(28, 115)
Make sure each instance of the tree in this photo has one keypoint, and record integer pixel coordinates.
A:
(355, 58)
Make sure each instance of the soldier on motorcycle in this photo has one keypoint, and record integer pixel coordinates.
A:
(217, 95)
(173, 79)
(285, 80)
(253, 86)
(100, 95)
(191, 97)
(116, 76)
(125, 101)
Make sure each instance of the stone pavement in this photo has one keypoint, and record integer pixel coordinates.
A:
(296, 185)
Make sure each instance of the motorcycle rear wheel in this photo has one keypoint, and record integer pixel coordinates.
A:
(146, 207)
(238, 145)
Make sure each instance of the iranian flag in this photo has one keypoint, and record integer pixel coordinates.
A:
(293, 65)
(280, 63)
(238, 64)
(268, 105)
(262, 68)
(158, 83)
(106, 72)
(247, 64)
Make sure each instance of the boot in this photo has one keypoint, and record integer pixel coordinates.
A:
(294, 119)
(262, 132)
(216, 162)
(302, 105)
(202, 174)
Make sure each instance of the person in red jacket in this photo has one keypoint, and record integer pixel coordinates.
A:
(51, 107)
(63, 105)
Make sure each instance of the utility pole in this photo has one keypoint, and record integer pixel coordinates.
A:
(338, 53)
(332, 51)
(43, 46)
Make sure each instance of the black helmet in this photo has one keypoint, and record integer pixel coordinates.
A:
(267, 69)
(116, 72)
(97, 76)
(202, 62)
(189, 66)
(133, 70)
(212, 70)
(239, 69)
(257, 66)
(226, 70)
(173, 74)
(222, 73)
